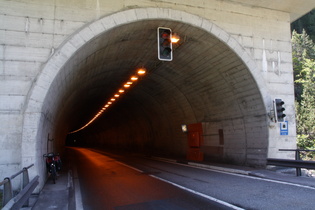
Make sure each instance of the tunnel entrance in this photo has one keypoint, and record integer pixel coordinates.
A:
(205, 83)
(211, 80)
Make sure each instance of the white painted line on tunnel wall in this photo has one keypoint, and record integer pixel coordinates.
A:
(200, 194)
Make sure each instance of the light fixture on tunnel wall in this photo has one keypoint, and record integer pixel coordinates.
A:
(140, 72)
(175, 38)
(184, 128)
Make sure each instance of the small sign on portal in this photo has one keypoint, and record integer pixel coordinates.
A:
(284, 129)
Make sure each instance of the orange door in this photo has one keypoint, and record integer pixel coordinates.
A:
(195, 140)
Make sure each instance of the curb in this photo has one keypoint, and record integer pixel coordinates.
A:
(71, 195)
(218, 168)
(200, 165)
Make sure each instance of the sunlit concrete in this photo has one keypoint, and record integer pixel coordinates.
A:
(295, 8)
(60, 62)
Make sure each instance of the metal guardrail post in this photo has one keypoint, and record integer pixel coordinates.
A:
(297, 157)
(25, 177)
(22, 199)
(7, 191)
(26, 180)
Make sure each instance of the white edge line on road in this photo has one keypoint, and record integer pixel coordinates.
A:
(198, 193)
(250, 177)
(234, 172)
(129, 166)
(186, 189)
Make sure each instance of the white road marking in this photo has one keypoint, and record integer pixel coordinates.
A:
(185, 188)
(239, 173)
(234, 172)
(256, 178)
(198, 193)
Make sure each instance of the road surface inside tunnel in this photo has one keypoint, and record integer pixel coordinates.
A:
(107, 183)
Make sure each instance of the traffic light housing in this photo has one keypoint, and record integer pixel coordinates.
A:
(279, 110)
(165, 51)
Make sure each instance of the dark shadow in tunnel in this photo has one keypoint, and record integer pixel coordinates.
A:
(205, 83)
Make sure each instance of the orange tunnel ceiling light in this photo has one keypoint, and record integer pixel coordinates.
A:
(133, 79)
(141, 71)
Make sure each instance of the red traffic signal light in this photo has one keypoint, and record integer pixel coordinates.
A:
(165, 52)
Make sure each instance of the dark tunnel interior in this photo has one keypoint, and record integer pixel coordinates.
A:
(205, 83)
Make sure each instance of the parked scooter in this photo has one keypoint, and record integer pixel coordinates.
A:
(53, 165)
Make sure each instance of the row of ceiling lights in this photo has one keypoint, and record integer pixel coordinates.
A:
(134, 78)
(163, 35)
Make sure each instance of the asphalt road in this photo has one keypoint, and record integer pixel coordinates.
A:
(109, 181)
(106, 183)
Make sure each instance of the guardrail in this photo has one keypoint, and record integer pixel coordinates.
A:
(22, 198)
(297, 163)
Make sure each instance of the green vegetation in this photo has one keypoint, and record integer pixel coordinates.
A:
(307, 23)
(303, 52)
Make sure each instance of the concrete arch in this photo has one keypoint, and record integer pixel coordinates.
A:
(34, 117)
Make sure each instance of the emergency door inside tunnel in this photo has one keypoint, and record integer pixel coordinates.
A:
(207, 82)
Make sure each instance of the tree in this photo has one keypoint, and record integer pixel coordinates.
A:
(307, 23)
(306, 107)
(303, 51)
(302, 48)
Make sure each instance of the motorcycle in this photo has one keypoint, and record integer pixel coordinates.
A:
(53, 165)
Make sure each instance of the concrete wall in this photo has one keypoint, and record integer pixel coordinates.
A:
(31, 32)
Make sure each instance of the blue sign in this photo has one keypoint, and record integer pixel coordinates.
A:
(284, 128)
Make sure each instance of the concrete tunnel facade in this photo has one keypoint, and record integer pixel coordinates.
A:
(206, 82)
(60, 62)
(211, 80)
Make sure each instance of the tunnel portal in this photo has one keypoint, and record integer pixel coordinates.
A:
(206, 83)
(212, 82)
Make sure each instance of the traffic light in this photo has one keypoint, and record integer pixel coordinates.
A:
(279, 110)
(165, 52)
